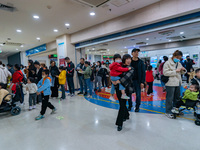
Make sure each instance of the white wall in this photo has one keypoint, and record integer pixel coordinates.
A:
(41, 59)
(4, 60)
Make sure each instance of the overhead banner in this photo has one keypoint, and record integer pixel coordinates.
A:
(36, 50)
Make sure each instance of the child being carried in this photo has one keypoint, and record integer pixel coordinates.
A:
(115, 71)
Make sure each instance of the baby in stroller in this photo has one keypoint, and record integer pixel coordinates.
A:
(190, 99)
(7, 102)
(4, 94)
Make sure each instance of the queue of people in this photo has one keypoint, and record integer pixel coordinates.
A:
(126, 75)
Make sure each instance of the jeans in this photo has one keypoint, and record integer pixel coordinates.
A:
(45, 104)
(88, 85)
(104, 80)
(63, 91)
(32, 99)
(137, 88)
(115, 79)
(98, 80)
(70, 82)
(173, 94)
(150, 89)
(81, 82)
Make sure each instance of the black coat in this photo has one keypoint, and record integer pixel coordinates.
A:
(70, 69)
(188, 64)
(54, 71)
(38, 76)
(141, 71)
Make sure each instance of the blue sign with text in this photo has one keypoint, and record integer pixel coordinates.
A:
(36, 50)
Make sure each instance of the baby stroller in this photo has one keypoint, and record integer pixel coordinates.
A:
(190, 104)
(9, 102)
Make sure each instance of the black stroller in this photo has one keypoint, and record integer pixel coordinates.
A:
(9, 103)
(190, 104)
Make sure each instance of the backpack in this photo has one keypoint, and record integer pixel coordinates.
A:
(24, 79)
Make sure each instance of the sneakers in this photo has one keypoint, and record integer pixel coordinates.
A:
(137, 109)
(148, 94)
(39, 117)
(112, 98)
(175, 110)
(34, 107)
(85, 94)
(80, 93)
(89, 96)
(99, 90)
(72, 95)
(125, 97)
(53, 111)
(169, 116)
(69, 95)
(119, 128)
(30, 108)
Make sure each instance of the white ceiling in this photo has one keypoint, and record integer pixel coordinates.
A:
(61, 12)
(191, 31)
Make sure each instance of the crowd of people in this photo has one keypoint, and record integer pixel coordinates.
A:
(126, 75)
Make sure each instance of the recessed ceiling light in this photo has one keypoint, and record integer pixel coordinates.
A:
(93, 48)
(36, 17)
(67, 24)
(1, 45)
(181, 32)
(125, 47)
(147, 43)
(55, 30)
(170, 40)
(38, 38)
(18, 30)
(92, 14)
(17, 49)
(147, 39)
(108, 50)
(121, 51)
(22, 46)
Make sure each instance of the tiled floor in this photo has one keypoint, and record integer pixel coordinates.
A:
(82, 125)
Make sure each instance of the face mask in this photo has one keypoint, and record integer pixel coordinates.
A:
(106, 62)
(176, 60)
(118, 61)
(43, 77)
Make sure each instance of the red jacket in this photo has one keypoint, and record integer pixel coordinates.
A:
(116, 69)
(17, 77)
(149, 76)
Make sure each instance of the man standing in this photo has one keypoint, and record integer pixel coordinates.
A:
(70, 76)
(6, 73)
(138, 78)
(79, 67)
(188, 65)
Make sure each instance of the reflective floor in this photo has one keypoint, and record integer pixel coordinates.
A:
(82, 125)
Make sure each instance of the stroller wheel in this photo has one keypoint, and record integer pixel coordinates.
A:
(197, 122)
(15, 111)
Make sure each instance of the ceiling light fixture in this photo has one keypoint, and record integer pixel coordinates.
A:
(181, 32)
(121, 51)
(38, 38)
(19, 31)
(147, 39)
(147, 43)
(67, 24)
(170, 40)
(92, 14)
(125, 47)
(36, 17)
(108, 50)
(55, 30)
(17, 49)
(22, 46)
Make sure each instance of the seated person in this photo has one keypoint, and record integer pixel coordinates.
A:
(190, 94)
(3, 93)
(196, 79)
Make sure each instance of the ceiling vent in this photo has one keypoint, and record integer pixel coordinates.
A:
(102, 50)
(92, 3)
(167, 32)
(11, 44)
(103, 45)
(8, 7)
(141, 43)
(119, 3)
(174, 38)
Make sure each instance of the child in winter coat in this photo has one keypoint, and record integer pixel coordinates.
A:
(115, 71)
(149, 80)
(62, 80)
(31, 87)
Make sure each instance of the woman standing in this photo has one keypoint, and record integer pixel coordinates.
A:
(17, 79)
(31, 69)
(123, 113)
(55, 85)
(172, 70)
(99, 75)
